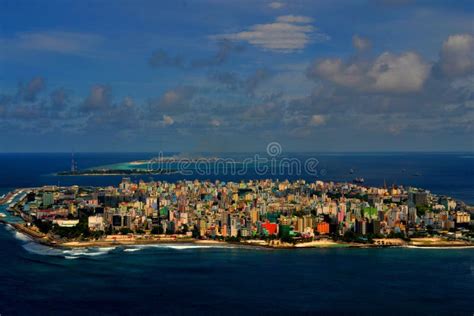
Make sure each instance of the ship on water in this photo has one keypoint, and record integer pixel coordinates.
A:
(358, 180)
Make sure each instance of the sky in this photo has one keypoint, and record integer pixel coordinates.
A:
(232, 76)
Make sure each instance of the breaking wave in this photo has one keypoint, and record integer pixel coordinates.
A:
(35, 248)
(87, 251)
(21, 236)
(131, 249)
(74, 253)
(42, 250)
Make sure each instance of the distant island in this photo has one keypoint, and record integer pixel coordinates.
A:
(115, 172)
(154, 166)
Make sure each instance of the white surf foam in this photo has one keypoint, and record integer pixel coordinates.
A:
(172, 246)
(42, 250)
(132, 249)
(22, 237)
(105, 248)
(88, 251)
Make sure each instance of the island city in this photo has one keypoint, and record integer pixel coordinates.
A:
(266, 213)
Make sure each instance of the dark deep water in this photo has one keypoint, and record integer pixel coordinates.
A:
(180, 280)
(189, 279)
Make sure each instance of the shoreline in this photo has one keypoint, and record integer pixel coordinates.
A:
(42, 239)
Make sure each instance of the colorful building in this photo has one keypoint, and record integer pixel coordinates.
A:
(323, 228)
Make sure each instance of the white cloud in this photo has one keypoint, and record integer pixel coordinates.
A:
(276, 5)
(389, 72)
(128, 102)
(215, 123)
(99, 99)
(294, 19)
(317, 120)
(403, 73)
(57, 42)
(287, 34)
(171, 97)
(361, 43)
(457, 55)
(168, 120)
(174, 100)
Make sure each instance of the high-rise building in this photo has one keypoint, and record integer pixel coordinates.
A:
(48, 199)
(307, 222)
(284, 231)
(117, 220)
(418, 198)
(202, 227)
(253, 216)
(361, 227)
(224, 230)
(299, 225)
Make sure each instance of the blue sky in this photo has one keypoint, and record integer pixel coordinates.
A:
(215, 75)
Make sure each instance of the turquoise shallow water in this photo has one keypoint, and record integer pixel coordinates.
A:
(186, 279)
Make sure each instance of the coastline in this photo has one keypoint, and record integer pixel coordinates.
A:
(417, 243)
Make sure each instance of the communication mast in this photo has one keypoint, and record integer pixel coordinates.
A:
(73, 164)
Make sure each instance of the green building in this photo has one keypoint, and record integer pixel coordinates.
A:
(164, 212)
(273, 217)
(284, 231)
(48, 199)
(370, 212)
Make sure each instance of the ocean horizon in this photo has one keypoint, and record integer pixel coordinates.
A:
(444, 173)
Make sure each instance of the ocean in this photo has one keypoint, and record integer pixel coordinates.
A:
(195, 279)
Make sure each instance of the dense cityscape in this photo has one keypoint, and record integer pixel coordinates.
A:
(263, 212)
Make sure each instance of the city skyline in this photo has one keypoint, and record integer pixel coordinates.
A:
(218, 76)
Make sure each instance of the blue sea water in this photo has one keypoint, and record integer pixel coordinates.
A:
(233, 281)
(189, 279)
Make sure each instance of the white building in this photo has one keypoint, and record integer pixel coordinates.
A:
(96, 223)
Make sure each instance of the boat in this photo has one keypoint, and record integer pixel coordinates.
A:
(3, 215)
(351, 171)
(417, 174)
(358, 180)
